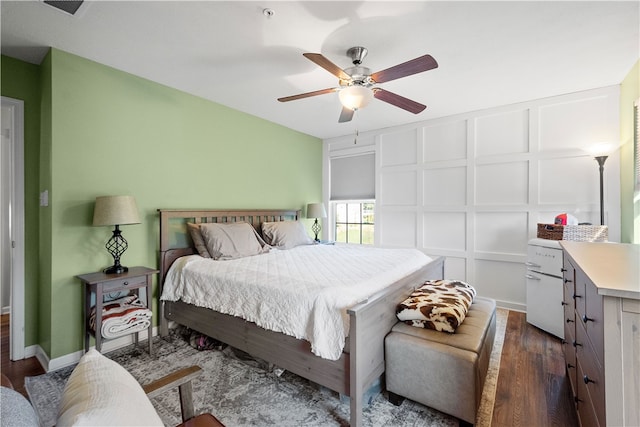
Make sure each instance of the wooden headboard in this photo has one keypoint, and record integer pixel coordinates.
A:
(176, 242)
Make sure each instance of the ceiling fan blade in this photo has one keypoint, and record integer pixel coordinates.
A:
(320, 60)
(399, 101)
(415, 66)
(346, 115)
(308, 94)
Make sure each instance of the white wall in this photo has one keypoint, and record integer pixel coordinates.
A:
(472, 187)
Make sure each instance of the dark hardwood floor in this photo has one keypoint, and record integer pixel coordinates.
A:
(15, 371)
(532, 388)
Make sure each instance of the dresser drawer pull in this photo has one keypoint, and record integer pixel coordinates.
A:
(576, 296)
(576, 344)
(586, 319)
(564, 303)
(562, 270)
(125, 284)
(575, 399)
(569, 366)
(529, 276)
(532, 264)
(569, 320)
(587, 380)
(567, 280)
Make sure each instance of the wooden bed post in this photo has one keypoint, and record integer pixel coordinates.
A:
(356, 380)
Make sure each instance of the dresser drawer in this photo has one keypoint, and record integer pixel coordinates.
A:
(570, 358)
(593, 320)
(122, 284)
(586, 411)
(590, 374)
(579, 296)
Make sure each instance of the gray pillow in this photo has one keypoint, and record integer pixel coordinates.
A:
(232, 240)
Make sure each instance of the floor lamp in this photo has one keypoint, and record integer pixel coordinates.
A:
(600, 153)
(601, 160)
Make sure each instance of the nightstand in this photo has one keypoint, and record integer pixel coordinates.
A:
(99, 284)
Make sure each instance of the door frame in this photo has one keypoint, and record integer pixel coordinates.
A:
(17, 315)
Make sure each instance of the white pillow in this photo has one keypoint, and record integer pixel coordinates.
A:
(100, 392)
(232, 240)
(285, 234)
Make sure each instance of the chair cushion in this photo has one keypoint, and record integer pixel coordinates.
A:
(100, 392)
(15, 409)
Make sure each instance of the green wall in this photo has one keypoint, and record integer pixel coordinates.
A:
(21, 80)
(106, 132)
(630, 210)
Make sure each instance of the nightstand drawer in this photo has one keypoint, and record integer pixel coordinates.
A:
(122, 284)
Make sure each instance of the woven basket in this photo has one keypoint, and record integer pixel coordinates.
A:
(550, 231)
(578, 233)
(586, 233)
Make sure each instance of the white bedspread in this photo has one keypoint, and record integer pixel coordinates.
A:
(303, 292)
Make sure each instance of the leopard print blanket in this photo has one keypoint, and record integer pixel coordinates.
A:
(441, 305)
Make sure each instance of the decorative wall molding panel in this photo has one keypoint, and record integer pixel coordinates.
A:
(473, 187)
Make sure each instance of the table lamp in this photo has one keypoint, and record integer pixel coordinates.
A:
(117, 211)
(316, 210)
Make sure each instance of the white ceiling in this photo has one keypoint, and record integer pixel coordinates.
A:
(489, 53)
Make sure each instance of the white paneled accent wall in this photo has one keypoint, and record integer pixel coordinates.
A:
(472, 187)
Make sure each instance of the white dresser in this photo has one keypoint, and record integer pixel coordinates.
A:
(602, 329)
(544, 286)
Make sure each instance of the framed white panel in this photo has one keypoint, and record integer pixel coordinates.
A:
(445, 186)
(501, 232)
(398, 229)
(455, 269)
(399, 148)
(503, 133)
(445, 230)
(501, 280)
(569, 180)
(398, 188)
(502, 183)
(578, 123)
(446, 141)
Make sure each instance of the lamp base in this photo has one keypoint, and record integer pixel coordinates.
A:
(115, 269)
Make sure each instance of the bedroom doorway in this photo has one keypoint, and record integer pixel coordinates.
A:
(12, 221)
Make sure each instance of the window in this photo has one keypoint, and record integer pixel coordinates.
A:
(354, 222)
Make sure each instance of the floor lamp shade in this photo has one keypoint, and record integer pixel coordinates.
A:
(116, 211)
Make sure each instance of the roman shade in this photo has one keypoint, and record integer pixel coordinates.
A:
(353, 177)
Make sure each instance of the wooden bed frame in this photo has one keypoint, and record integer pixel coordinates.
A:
(370, 320)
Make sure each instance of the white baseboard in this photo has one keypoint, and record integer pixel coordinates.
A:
(73, 358)
(512, 306)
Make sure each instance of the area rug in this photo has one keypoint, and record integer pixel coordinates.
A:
(242, 391)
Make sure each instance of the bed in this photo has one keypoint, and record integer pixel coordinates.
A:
(369, 320)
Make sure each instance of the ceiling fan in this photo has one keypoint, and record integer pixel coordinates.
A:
(358, 85)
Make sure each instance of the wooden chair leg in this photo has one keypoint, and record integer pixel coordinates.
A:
(186, 401)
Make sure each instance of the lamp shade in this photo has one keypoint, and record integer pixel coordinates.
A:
(316, 210)
(355, 97)
(115, 210)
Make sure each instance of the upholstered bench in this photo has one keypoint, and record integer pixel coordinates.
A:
(441, 370)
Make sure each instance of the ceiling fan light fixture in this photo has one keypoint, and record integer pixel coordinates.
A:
(355, 96)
